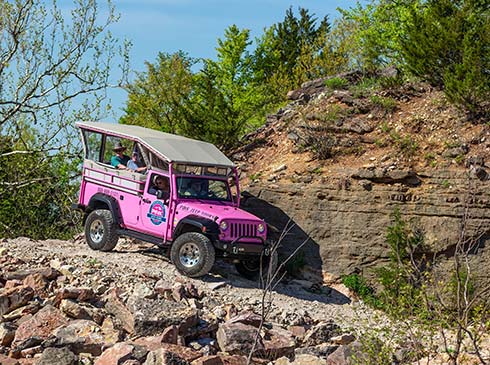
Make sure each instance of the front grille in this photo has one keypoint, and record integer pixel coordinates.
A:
(243, 230)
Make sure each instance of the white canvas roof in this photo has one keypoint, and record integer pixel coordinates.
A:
(171, 147)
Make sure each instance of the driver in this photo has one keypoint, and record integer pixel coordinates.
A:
(196, 189)
(160, 183)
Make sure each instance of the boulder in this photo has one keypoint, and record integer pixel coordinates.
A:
(238, 338)
(116, 354)
(74, 310)
(7, 333)
(152, 316)
(322, 350)
(123, 315)
(85, 336)
(301, 360)
(79, 294)
(343, 354)
(40, 326)
(321, 333)
(172, 355)
(37, 282)
(58, 356)
(278, 342)
(47, 273)
(247, 317)
(221, 360)
(22, 312)
(5, 360)
(14, 298)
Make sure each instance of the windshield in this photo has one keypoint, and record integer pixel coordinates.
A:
(202, 188)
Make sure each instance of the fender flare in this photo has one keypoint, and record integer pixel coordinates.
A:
(204, 225)
(107, 200)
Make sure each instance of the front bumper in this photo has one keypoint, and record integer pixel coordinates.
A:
(240, 249)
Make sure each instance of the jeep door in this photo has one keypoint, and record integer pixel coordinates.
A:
(154, 210)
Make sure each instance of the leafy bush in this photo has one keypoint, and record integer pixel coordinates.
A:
(359, 285)
(296, 263)
(336, 83)
(386, 104)
(37, 191)
(446, 43)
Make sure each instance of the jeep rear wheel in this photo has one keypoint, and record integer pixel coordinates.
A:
(192, 254)
(100, 230)
(251, 268)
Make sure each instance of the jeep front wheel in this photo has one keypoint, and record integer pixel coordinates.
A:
(100, 230)
(251, 268)
(192, 254)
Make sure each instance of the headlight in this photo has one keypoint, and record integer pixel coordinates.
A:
(261, 228)
(223, 225)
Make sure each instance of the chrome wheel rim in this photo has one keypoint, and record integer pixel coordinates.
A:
(97, 231)
(189, 254)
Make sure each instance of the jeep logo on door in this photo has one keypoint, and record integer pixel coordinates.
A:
(157, 213)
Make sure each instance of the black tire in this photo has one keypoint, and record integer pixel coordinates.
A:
(192, 254)
(251, 268)
(100, 230)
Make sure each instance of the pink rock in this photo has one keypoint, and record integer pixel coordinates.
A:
(171, 354)
(117, 354)
(41, 325)
(14, 298)
(116, 307)
(36, 281)
(278, 342)
(5, 360)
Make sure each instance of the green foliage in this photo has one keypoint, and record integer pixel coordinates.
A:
(446, 43)
(406, 145)
(36, 192)
(158, 97)
(291, 52)
(336, 83)
(226, 101)
(218, 104)
(401, 283)
(387, 104)
(296, 263)
(51, 60)
(360, 286)
(378, 29)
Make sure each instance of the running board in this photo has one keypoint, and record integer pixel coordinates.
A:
(142, 237)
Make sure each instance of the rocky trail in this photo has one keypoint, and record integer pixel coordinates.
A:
(63, 303)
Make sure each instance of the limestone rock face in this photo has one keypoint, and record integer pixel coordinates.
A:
(343, 215)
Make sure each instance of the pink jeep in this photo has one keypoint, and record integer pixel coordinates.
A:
(187, 199)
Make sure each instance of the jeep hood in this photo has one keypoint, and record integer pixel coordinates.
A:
(216, 212)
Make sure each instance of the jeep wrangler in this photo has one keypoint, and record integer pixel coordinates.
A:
(197, 219)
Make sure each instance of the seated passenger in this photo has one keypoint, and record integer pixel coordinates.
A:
(160, 183)
(196, 189)
(134, 165)
(120, 160)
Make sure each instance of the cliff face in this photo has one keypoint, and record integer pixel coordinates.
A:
(344, 219)
(336, 166)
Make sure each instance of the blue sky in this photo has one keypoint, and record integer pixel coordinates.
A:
(195, 25)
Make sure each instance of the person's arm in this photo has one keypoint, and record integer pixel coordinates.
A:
(116, 162)
(152, 190)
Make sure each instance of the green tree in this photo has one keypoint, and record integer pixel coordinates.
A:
(217, 104)
(157, 97)
(376, 32)
(49, 60)
(447, 44)
(227, 101)
(285, 54)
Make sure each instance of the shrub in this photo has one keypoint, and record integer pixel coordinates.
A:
(336, 83)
